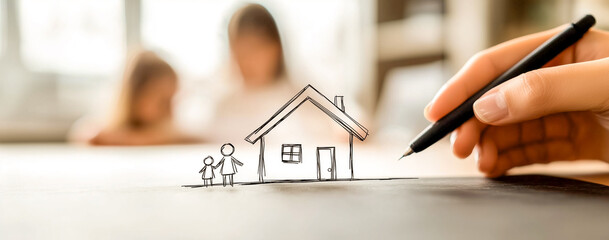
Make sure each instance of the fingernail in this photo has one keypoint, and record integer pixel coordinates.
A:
(491, 108)
(453, 138)
(426, 110)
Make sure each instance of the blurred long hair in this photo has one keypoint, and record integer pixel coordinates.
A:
(256, 18)
(142, 68)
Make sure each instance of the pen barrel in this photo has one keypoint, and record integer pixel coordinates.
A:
(535, 60)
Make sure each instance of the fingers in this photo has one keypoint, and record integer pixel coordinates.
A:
(480, 70)
(566, 88)
(556, 126)
(543, 152)
(487, 154)
(486, 65)
(536, 141)
(465, 138)
(592, 46)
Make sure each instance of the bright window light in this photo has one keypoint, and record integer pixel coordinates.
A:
(321, 37)
(192, 33)
(72, 36)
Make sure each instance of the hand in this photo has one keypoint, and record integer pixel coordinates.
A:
(559, 112)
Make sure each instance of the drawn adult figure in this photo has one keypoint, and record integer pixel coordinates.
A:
(208, 171)
(227, 164)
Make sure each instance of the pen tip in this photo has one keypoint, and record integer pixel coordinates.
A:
(408, 152)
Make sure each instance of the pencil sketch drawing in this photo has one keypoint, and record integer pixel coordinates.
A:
(228, 164)
(228, 167)
(207, 171)
(326, 155)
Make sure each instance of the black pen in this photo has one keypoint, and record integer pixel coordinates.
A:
(536, 59)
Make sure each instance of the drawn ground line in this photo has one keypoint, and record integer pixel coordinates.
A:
(303, 181)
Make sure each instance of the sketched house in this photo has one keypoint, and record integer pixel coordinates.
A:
(327, 167)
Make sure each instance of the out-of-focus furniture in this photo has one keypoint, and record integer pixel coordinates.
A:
(409, 32)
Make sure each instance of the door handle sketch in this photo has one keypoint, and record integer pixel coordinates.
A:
(292, 153)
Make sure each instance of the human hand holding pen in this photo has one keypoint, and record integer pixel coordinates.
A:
(559, 112)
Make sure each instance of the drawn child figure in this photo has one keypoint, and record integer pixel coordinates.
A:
(208, 171)
(229, 170)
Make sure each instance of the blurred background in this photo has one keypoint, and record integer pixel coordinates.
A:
(61, 60)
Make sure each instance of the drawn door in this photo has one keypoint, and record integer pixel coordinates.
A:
(326, 163)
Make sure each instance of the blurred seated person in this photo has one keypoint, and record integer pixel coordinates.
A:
(257, 76)
(259, 82)
(143, 115)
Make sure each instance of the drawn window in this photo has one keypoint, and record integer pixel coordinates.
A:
(291, 153)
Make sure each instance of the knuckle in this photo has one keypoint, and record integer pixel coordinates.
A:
(478, 56)
(482, 59)
(536, 89)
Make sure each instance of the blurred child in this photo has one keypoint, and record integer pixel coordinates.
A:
(143, 115)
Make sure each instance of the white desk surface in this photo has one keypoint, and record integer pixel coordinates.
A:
(56, 191)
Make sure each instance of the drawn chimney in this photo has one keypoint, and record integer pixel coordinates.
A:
(339, 103)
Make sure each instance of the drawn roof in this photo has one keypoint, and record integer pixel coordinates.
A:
(309, 93)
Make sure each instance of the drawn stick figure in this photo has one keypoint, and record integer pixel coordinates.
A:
(207, 171)
(229, 170)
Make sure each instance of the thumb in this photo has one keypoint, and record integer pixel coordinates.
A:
(566, 88)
